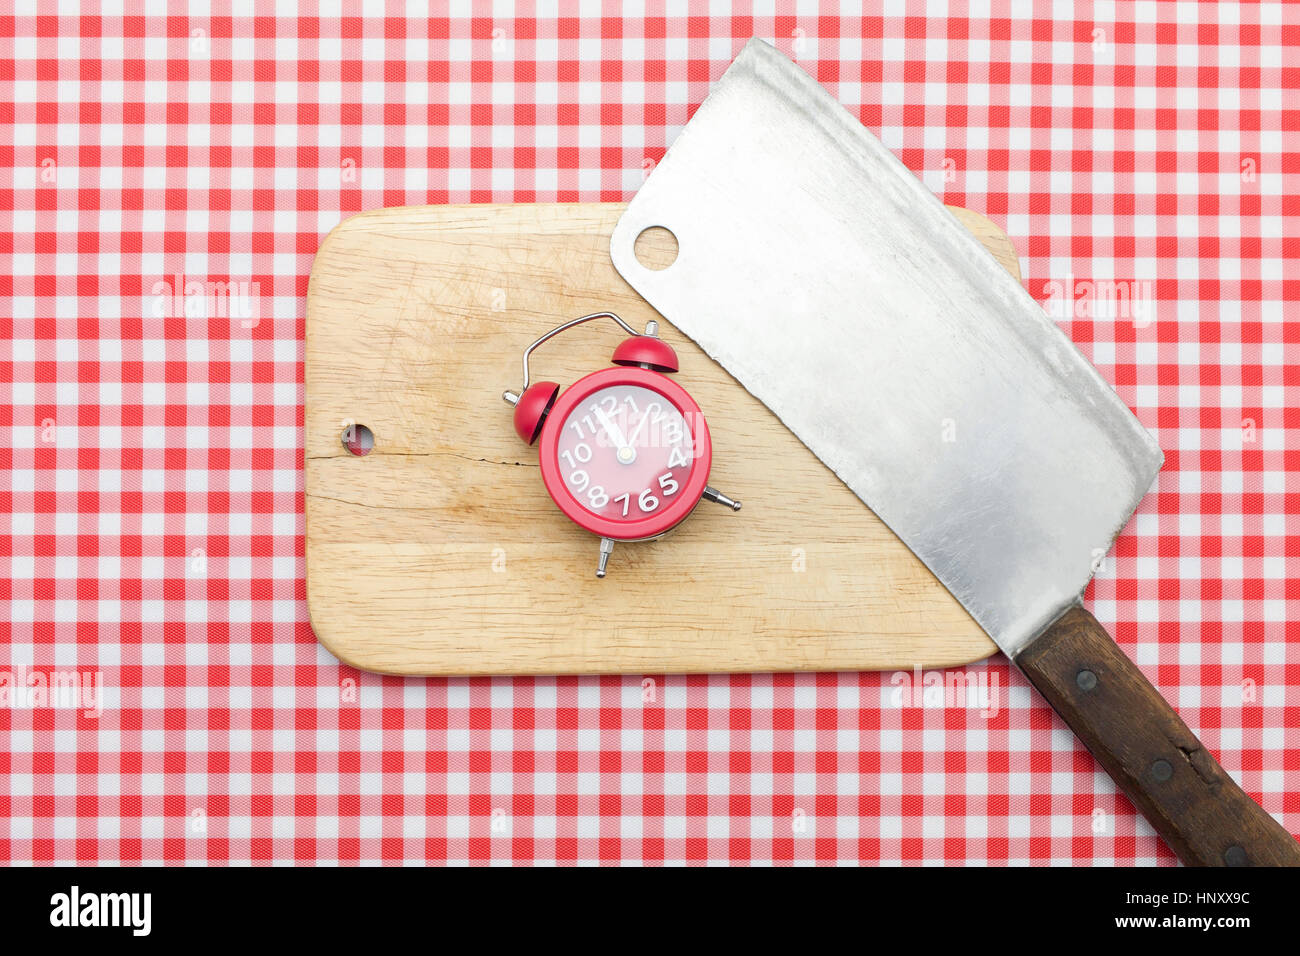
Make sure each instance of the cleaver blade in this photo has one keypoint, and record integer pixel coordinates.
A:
(838, 290)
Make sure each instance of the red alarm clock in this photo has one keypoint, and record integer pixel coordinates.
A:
(624, 452)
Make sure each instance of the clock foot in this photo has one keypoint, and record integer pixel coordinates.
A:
(713, 494)
(606, 549)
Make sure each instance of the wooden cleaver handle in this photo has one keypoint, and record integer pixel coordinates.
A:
(1144, 745)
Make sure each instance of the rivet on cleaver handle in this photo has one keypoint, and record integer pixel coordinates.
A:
(837, 289)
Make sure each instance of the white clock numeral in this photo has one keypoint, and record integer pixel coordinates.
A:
(643, 420)
(581, 453)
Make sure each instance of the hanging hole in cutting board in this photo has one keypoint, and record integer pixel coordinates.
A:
(358, 439)
(655, 248)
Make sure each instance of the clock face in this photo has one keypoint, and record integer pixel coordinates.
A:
(626, 453)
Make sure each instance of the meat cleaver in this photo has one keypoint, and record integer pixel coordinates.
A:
(838, 290)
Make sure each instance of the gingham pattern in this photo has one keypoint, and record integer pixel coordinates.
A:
(154, 485)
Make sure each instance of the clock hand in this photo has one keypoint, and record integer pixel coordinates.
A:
(614, 432)
(641, 424)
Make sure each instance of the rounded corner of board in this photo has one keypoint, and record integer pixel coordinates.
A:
(979, 649)
(326, 638)
(345, 226)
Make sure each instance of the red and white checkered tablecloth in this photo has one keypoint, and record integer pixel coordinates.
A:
(153, 483)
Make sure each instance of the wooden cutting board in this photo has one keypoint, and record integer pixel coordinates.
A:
(439, 552)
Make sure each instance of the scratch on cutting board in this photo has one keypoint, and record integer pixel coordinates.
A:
(425, 454)
(363, 504)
